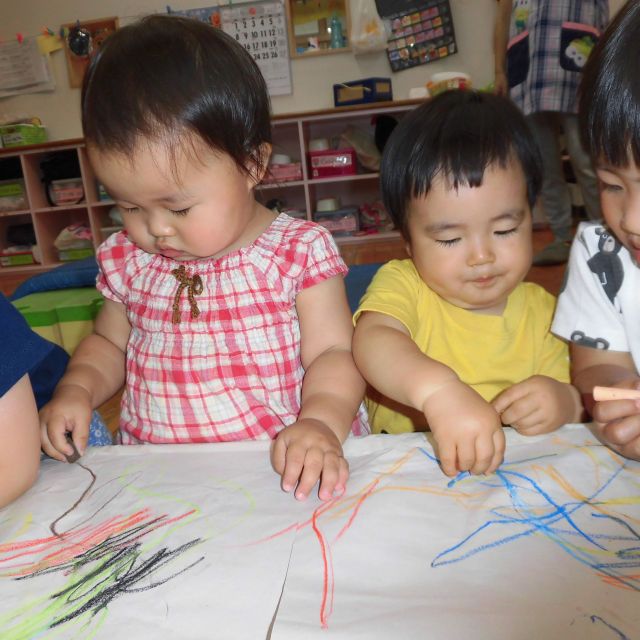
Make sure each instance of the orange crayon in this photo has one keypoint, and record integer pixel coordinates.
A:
(612, 393)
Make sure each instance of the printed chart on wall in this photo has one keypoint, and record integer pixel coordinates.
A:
(261, 29)
(421, 31)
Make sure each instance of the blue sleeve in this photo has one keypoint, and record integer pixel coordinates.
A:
(23, 351)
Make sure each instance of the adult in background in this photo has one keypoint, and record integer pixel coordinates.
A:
(541, 47)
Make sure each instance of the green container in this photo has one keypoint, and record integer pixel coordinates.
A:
(16, 259)
(65, 316)
(19, 135)
(68, 255)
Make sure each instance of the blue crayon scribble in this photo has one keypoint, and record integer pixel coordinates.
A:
(619, 633)
(532, 510)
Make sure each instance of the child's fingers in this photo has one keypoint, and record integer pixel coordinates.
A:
(312, 468)
(632, 449)
(611, 410)
(343, 476)
(622, 432)
(47, 446)
(58, 438)
(293, 466)
(530, 424)
(80, 439)
(507, 398)
(278, 454)
(448, 458)
(484, 455)
(330, 476)
(466, 455)
(498, 446)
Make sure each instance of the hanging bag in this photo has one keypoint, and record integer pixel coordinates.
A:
(368, 32)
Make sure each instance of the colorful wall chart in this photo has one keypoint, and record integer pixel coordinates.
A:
(421, 32)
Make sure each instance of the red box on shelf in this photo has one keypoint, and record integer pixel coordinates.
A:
(333, 162)
(283, 173)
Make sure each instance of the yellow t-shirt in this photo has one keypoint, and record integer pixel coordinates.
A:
(489, 353)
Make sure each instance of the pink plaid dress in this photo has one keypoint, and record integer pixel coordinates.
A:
(234, 371)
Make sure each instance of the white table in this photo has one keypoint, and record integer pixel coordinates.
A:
(199, 542)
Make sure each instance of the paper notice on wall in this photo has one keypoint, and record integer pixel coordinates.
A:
(23, 68)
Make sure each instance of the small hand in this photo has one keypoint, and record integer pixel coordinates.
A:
(69, 411)
(538, 405)
(466, 428)
(306, 451)
(617, 423)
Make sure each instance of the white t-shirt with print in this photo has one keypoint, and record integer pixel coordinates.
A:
(599, 305)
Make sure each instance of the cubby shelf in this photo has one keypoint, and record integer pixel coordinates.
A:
(291, 136)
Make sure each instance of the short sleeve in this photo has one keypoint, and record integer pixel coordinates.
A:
(394, 291)
(23, 352)
(322, 259)
(584, 313)
(112, 257)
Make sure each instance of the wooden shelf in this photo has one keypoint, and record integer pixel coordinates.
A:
(291, 136)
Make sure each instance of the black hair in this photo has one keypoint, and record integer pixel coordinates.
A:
(168, 79)
(457, 135)
(610, 91)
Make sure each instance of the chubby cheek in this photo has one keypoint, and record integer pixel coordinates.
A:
(610, 211)
(137, 231)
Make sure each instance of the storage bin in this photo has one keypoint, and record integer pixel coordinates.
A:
(12, 197)
(66, 191)
(362, 91)
(283, 173)
(66, 255)
(64, 317)
(341, 222)
(332, 162)
(16, 258)
(18, 135)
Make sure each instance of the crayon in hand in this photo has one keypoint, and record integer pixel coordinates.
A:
(75, 456)
(613, 393)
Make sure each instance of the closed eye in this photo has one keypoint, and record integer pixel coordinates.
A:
(606, 186)
(506, 232)
(448, 243)
(180, 212)
(127, 209)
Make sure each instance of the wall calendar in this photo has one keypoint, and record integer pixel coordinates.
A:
(261, 28)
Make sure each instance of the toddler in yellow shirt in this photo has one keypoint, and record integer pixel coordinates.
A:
(452, 339)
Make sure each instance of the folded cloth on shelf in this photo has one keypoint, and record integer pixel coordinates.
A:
(80, 273)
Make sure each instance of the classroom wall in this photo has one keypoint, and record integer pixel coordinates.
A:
(312, 78)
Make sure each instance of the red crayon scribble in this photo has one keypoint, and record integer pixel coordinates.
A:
(60, 549)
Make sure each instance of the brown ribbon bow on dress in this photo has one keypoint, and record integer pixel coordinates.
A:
(194, 287)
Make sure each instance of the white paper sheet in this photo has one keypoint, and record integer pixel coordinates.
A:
(197, 542)
(161, 546)
(547, 548)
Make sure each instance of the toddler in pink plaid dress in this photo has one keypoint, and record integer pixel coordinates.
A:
(224, 320)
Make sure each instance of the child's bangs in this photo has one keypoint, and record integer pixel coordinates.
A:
(617, 142)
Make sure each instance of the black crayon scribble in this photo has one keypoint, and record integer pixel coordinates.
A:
(116, 566)
(52, 527)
